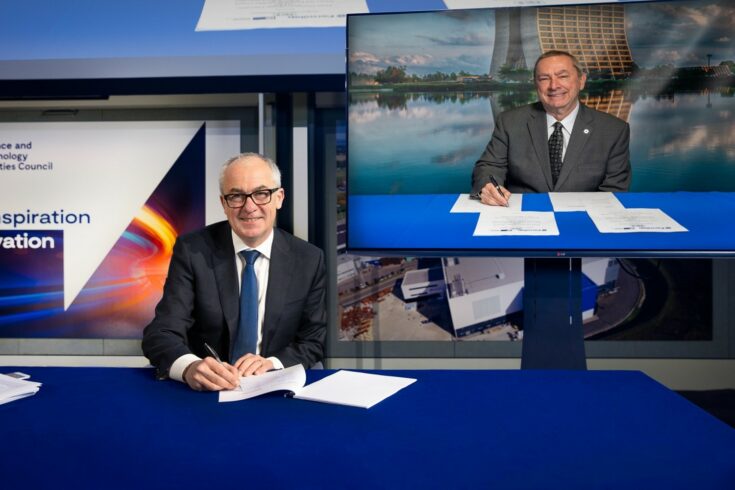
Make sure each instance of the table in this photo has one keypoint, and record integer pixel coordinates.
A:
(422, 223)
(119, 428)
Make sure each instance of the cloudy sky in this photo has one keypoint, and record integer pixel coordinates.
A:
(423, 42)
(680, 33)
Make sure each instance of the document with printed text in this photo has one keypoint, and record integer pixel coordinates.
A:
(224, 15)
(516, 223)
(634, 221)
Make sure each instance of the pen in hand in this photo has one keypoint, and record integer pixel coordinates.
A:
(497, 188)
(212, 353)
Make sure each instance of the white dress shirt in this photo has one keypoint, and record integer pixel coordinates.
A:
(262, 266)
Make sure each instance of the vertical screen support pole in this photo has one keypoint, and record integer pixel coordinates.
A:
(552, 314)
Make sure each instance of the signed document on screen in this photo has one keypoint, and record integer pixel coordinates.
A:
(634, 221)
(350, 388)
(516, 223)
(466, 204)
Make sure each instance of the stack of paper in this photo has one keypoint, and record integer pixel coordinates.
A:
(342, 388)
(12, 389)
(290, 379)
(353, 388)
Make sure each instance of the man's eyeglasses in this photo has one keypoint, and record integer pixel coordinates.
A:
(238, 199)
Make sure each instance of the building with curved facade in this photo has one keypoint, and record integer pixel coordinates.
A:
(593, 33)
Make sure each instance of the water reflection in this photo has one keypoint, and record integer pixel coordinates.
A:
(428, 142)
(685, 142)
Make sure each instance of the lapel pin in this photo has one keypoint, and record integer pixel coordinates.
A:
(586, 131)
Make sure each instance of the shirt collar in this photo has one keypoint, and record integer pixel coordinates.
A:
(567, 122)
(264, 248)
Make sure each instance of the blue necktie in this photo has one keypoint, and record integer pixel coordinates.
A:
(246, 338)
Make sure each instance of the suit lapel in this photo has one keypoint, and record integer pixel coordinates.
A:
(539, 138)
(225, 273)
(575, 149)
(279, 279)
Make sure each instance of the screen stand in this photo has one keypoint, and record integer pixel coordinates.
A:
(552, 314)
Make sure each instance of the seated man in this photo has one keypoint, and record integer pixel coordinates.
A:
(240, 290)
(556, 144)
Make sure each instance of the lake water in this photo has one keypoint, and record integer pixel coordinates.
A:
(428, 143)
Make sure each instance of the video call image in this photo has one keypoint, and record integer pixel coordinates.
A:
(424, 89)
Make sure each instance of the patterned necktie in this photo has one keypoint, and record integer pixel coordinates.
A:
(556, 148)
(246, 338)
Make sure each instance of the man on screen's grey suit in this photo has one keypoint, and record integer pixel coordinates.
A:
(517, 156)
(590, 148)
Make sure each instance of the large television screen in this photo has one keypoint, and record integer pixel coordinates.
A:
(77, 49)
(425, 88)
(57, 40)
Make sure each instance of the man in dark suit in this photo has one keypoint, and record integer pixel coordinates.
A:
(200, 307)
(592, 146)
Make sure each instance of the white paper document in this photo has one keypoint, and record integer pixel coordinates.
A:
(464, 204)
(634, 221)
(474, 4)
(12, 389)
(584, 201)
(341, 388)
(516, 223)
(226, 15)
(354, 389)
(289, 379)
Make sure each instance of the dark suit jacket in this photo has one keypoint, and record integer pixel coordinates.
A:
(200, 301)
(597, 156)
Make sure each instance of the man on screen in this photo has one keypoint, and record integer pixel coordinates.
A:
(241, 297)
(556, 144)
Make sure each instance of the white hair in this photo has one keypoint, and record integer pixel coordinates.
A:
(275, 171)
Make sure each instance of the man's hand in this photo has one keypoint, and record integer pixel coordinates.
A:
(490, 195)
(209, 375)
(251, 364)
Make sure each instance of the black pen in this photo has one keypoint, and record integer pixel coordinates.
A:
(497, 188)
(212, 352)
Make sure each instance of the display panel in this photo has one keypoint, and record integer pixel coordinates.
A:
(424, 89)
(415, 299)
(152, 39)
(79, 49)
(90, 213)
